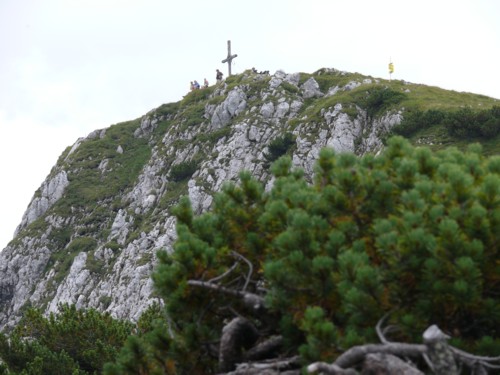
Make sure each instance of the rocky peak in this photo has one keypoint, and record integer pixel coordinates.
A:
(91, 232)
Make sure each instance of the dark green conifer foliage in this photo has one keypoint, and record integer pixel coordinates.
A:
(464, 123)
(279, 146)
(70, 342)
(407, 231)
(150, 351)
(29, 358)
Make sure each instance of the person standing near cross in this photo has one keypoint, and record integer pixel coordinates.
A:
(218, 76)
(229, 57)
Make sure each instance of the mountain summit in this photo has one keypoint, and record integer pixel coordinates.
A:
(89, 236)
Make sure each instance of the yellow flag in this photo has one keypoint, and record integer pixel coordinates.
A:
(391, 68)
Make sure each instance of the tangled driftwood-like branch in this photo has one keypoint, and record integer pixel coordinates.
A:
(220, 277)
(237, 345)
(441, 358)
(356, 354)
(239, 340)
(250, 268)
(237, 335)
(251, 300)
(242, 349)
(279, 366)
(267, 349)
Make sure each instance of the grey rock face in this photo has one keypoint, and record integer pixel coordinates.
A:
(267, 110)
(20, 271)
(310, 89)
(114, 275)
(50, 192)
(293, 78)
(234, 104)
(282, 109)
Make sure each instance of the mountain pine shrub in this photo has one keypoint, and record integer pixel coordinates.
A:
(279, 146)
(467, 122)
(183, 171)
(69, 342)
(409, 231)
(380, 99)
(418, 120)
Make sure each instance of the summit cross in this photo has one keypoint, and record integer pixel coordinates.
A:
(229, 57)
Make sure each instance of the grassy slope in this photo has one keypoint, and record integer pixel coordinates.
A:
(417, 97)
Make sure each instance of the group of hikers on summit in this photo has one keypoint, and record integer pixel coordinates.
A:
(196, 86)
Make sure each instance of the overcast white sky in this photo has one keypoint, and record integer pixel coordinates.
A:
(68, 67)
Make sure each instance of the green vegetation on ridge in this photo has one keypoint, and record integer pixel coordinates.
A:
(89, 184)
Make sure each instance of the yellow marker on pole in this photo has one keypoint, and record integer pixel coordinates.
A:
(391, 69)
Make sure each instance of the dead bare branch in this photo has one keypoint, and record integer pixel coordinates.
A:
(356, 354)
(220, 277)
(237, 335)
(329, 369)
(216, 287)
(388, 364)
(373, 358)
(250, 268)
(379, 331)
(473, 357)
(280, 366)
(251, 300)
(441, 358)
(265, 350)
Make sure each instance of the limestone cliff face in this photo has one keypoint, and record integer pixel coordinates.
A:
(91, 232)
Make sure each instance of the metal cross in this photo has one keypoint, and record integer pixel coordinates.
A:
(229, 57)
